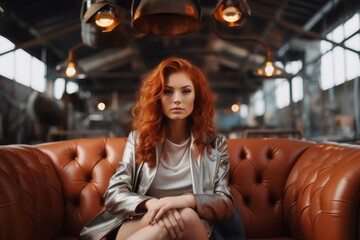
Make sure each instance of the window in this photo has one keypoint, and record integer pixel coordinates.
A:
(297, 89)
(339, 62)
(347, 62)
(259, 103)
(59, 87)
(72, 87)
(20, 66)
(243, 111)
(282, 93)
(38, 71)
(327, 80)
(351, 58)
(7, 61)
(352, 25)
(297, 82)
(23, 67)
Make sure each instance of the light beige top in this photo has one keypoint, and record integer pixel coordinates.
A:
(173, 176)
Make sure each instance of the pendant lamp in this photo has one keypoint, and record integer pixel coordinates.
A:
(166, 18)
(232, 12)
(113, 35)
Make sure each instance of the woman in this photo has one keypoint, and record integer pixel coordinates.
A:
(172, 182)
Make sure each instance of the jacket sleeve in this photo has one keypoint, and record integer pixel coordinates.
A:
(219, 205)
(120, 200)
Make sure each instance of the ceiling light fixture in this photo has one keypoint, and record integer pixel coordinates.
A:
(166, 18)
(232, 12)
(113, 36)
(104, 13)
(269, 69)
(70, 69)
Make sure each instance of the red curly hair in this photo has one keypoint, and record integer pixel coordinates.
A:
(149, 120)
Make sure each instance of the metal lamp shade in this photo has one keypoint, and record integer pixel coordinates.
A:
(92, 36)
(95, 37)
(166, 18)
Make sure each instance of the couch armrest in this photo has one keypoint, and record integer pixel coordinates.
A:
(31, 202)
(322, 193)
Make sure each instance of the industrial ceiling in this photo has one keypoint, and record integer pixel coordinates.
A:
(49, 29)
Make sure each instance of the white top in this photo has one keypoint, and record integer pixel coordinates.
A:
(173, 174)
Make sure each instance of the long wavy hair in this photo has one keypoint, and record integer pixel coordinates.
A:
(149, 120)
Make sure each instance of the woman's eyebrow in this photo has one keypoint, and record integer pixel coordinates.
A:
(186, 86)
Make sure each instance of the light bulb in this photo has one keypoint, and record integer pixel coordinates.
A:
(70, 69)
(231, 14)
(269, 69)
(101, 106)
(235, 107)
(105, 18)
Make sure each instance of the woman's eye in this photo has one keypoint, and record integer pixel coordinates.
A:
(167, 91)
(186, 91)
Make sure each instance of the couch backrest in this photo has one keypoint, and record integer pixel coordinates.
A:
(31, 197)
(258, 172)
(282, 187)
(84, 167)
(259, 169)
(322, 197)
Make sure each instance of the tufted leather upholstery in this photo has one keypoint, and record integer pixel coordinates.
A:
(285, 189)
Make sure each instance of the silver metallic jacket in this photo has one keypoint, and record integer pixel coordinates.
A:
(128, 186)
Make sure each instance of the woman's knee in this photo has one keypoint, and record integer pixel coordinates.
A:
(189, 216)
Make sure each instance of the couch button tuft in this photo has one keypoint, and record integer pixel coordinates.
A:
(242, 154)
(88, 177)
(270, 154)
(73, 156)
(246, 200)
(259, 179)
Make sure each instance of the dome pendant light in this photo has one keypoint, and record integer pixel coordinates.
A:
(166, 18)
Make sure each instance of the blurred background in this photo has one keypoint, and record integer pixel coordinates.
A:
(278, 68)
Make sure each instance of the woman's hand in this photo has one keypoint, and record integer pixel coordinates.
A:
(173, 223)
(164, 211)
(157, 207)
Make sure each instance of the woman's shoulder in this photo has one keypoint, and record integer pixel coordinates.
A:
(133, 136)
(216, 139)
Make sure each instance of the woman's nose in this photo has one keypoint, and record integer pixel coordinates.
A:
(177, 97)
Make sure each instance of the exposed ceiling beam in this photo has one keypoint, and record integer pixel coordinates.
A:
(108, 59)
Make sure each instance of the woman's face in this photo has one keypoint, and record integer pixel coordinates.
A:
(178, 100)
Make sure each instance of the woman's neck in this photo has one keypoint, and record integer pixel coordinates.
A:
(177, 131)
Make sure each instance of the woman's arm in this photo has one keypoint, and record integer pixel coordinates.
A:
(220, 205)
(120, 200)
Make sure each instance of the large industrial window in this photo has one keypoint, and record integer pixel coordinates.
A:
(259, 103)
(7, 61)
(22, 67)
(346, 61)
(282, 86)
(38, 72)
(282, 93)
(294, 67)
(72, 87)
(59, 87)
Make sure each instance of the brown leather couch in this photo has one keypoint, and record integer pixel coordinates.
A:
(285, 189)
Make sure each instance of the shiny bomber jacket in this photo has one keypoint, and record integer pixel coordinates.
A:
(128, 186)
